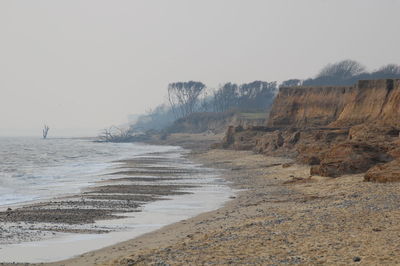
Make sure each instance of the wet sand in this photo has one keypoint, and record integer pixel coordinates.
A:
(101, 202)
(283, 216)
(141, 195)
(280, 216)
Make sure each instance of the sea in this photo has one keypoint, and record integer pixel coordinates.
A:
(35, 170)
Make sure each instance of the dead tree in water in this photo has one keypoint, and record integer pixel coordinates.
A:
(45, 131)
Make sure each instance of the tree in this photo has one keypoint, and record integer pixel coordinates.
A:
(184, 97)
(386, 72)
(115, 134)
(256, 95)
(158, 118)
(45, 131)
(346, 72)
(226, 97)
(342, 70)
(291, 83)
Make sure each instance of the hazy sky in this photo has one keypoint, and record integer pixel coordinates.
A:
(82, 65)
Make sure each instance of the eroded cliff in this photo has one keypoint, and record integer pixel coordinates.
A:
(305, 107)
(368, 101)
(376, 101)
(338, 130)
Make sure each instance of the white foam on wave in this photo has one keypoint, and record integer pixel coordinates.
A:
(209, 193)
(35, 169)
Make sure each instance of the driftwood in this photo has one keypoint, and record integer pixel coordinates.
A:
(115, 134)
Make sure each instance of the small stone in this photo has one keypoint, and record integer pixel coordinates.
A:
(356, 259)
(286, 165)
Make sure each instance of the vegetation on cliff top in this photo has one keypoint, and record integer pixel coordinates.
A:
(186, 98)
(348, 72)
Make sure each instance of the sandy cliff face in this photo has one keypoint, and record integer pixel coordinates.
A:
(338, 130)
(368, 101)
(376, 101)
(304, 107)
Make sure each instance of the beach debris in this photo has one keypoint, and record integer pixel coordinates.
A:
(287, 165)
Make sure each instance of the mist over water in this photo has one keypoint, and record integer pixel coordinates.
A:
(33, 168)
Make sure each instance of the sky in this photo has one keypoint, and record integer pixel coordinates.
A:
(83, 65)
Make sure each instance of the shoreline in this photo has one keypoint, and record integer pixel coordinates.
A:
(167, 182)
(182, 230)
(281, 216)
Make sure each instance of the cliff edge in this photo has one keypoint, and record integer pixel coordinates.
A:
(309, 106)
(337, 130)
(367, 101)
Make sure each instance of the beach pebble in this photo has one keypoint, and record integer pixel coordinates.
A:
(356, 259)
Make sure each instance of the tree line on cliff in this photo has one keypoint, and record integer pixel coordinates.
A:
(186, 98)
(346, 73)
(189, 97)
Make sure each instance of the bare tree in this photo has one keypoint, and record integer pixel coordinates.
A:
(115, 134)
(226, 97)
(345, 72)
(45, 131)
(183, 97)
(256, 95)
(343, 69)
(157, 119)
(291, 83)
(388, 71)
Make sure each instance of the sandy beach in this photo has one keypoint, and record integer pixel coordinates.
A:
(280, 216)
(136, 196)
(199, 133)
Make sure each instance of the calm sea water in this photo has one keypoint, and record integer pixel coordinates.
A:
(34, 169)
